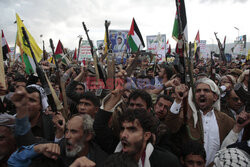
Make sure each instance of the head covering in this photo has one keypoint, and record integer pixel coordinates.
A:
(231, 79)
(214, 89)
(242, 76)
(236, 71)
(7, 120)
(231, 157)
(44, 98)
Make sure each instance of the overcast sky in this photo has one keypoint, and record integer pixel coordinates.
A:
(62, 19)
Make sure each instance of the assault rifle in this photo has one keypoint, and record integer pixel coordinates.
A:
(79, 45)
(59, 81)
(98, 69)
(221, 48)
(44, 52)
(212, 74)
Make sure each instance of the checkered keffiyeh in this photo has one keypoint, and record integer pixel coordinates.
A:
(231, 157)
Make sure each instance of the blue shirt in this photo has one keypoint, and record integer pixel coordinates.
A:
(22, 126)
(22, 157)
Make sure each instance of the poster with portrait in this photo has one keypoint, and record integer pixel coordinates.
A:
(100, 44)
(118, 40)
(156, 44)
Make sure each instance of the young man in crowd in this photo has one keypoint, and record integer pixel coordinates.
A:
(137, 137)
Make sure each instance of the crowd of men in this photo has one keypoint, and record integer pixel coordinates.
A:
(148, 119)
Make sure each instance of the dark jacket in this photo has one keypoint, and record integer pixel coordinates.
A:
(73, 96)
(96, 154)
(47, 133)
(105, 137)
(163, 158)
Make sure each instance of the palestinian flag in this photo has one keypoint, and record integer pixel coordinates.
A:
(180, 19)
(197, 41)
(135, 39)
(5, 47)
(30, 66)
(60, 55)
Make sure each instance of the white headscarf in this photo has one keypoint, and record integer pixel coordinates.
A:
(242, 76)
(214, 89)
(44, 98)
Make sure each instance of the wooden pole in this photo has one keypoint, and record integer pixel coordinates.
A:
(2, 71)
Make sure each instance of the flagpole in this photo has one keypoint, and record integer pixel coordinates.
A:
(178, 14)
(2, 73)
(182, 61)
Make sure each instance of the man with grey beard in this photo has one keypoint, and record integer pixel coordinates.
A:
(78, 143)
(76, 147)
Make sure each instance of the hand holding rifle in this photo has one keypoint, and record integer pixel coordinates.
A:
(172, 83)
(114, 98)
(59, 122)
(181, 92)
(245, 117)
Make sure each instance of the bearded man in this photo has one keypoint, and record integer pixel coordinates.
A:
(204, 121)
(76, 147)
(136, 139)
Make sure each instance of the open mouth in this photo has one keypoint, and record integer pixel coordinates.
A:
(125, 145)
(202, 100)
(69, 146)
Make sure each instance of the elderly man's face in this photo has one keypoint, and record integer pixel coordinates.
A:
(204, 97)
(74, 135)
(7, 141)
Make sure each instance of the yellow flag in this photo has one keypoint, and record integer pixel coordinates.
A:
(195, 46)
(105, 44)
(23, 44)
